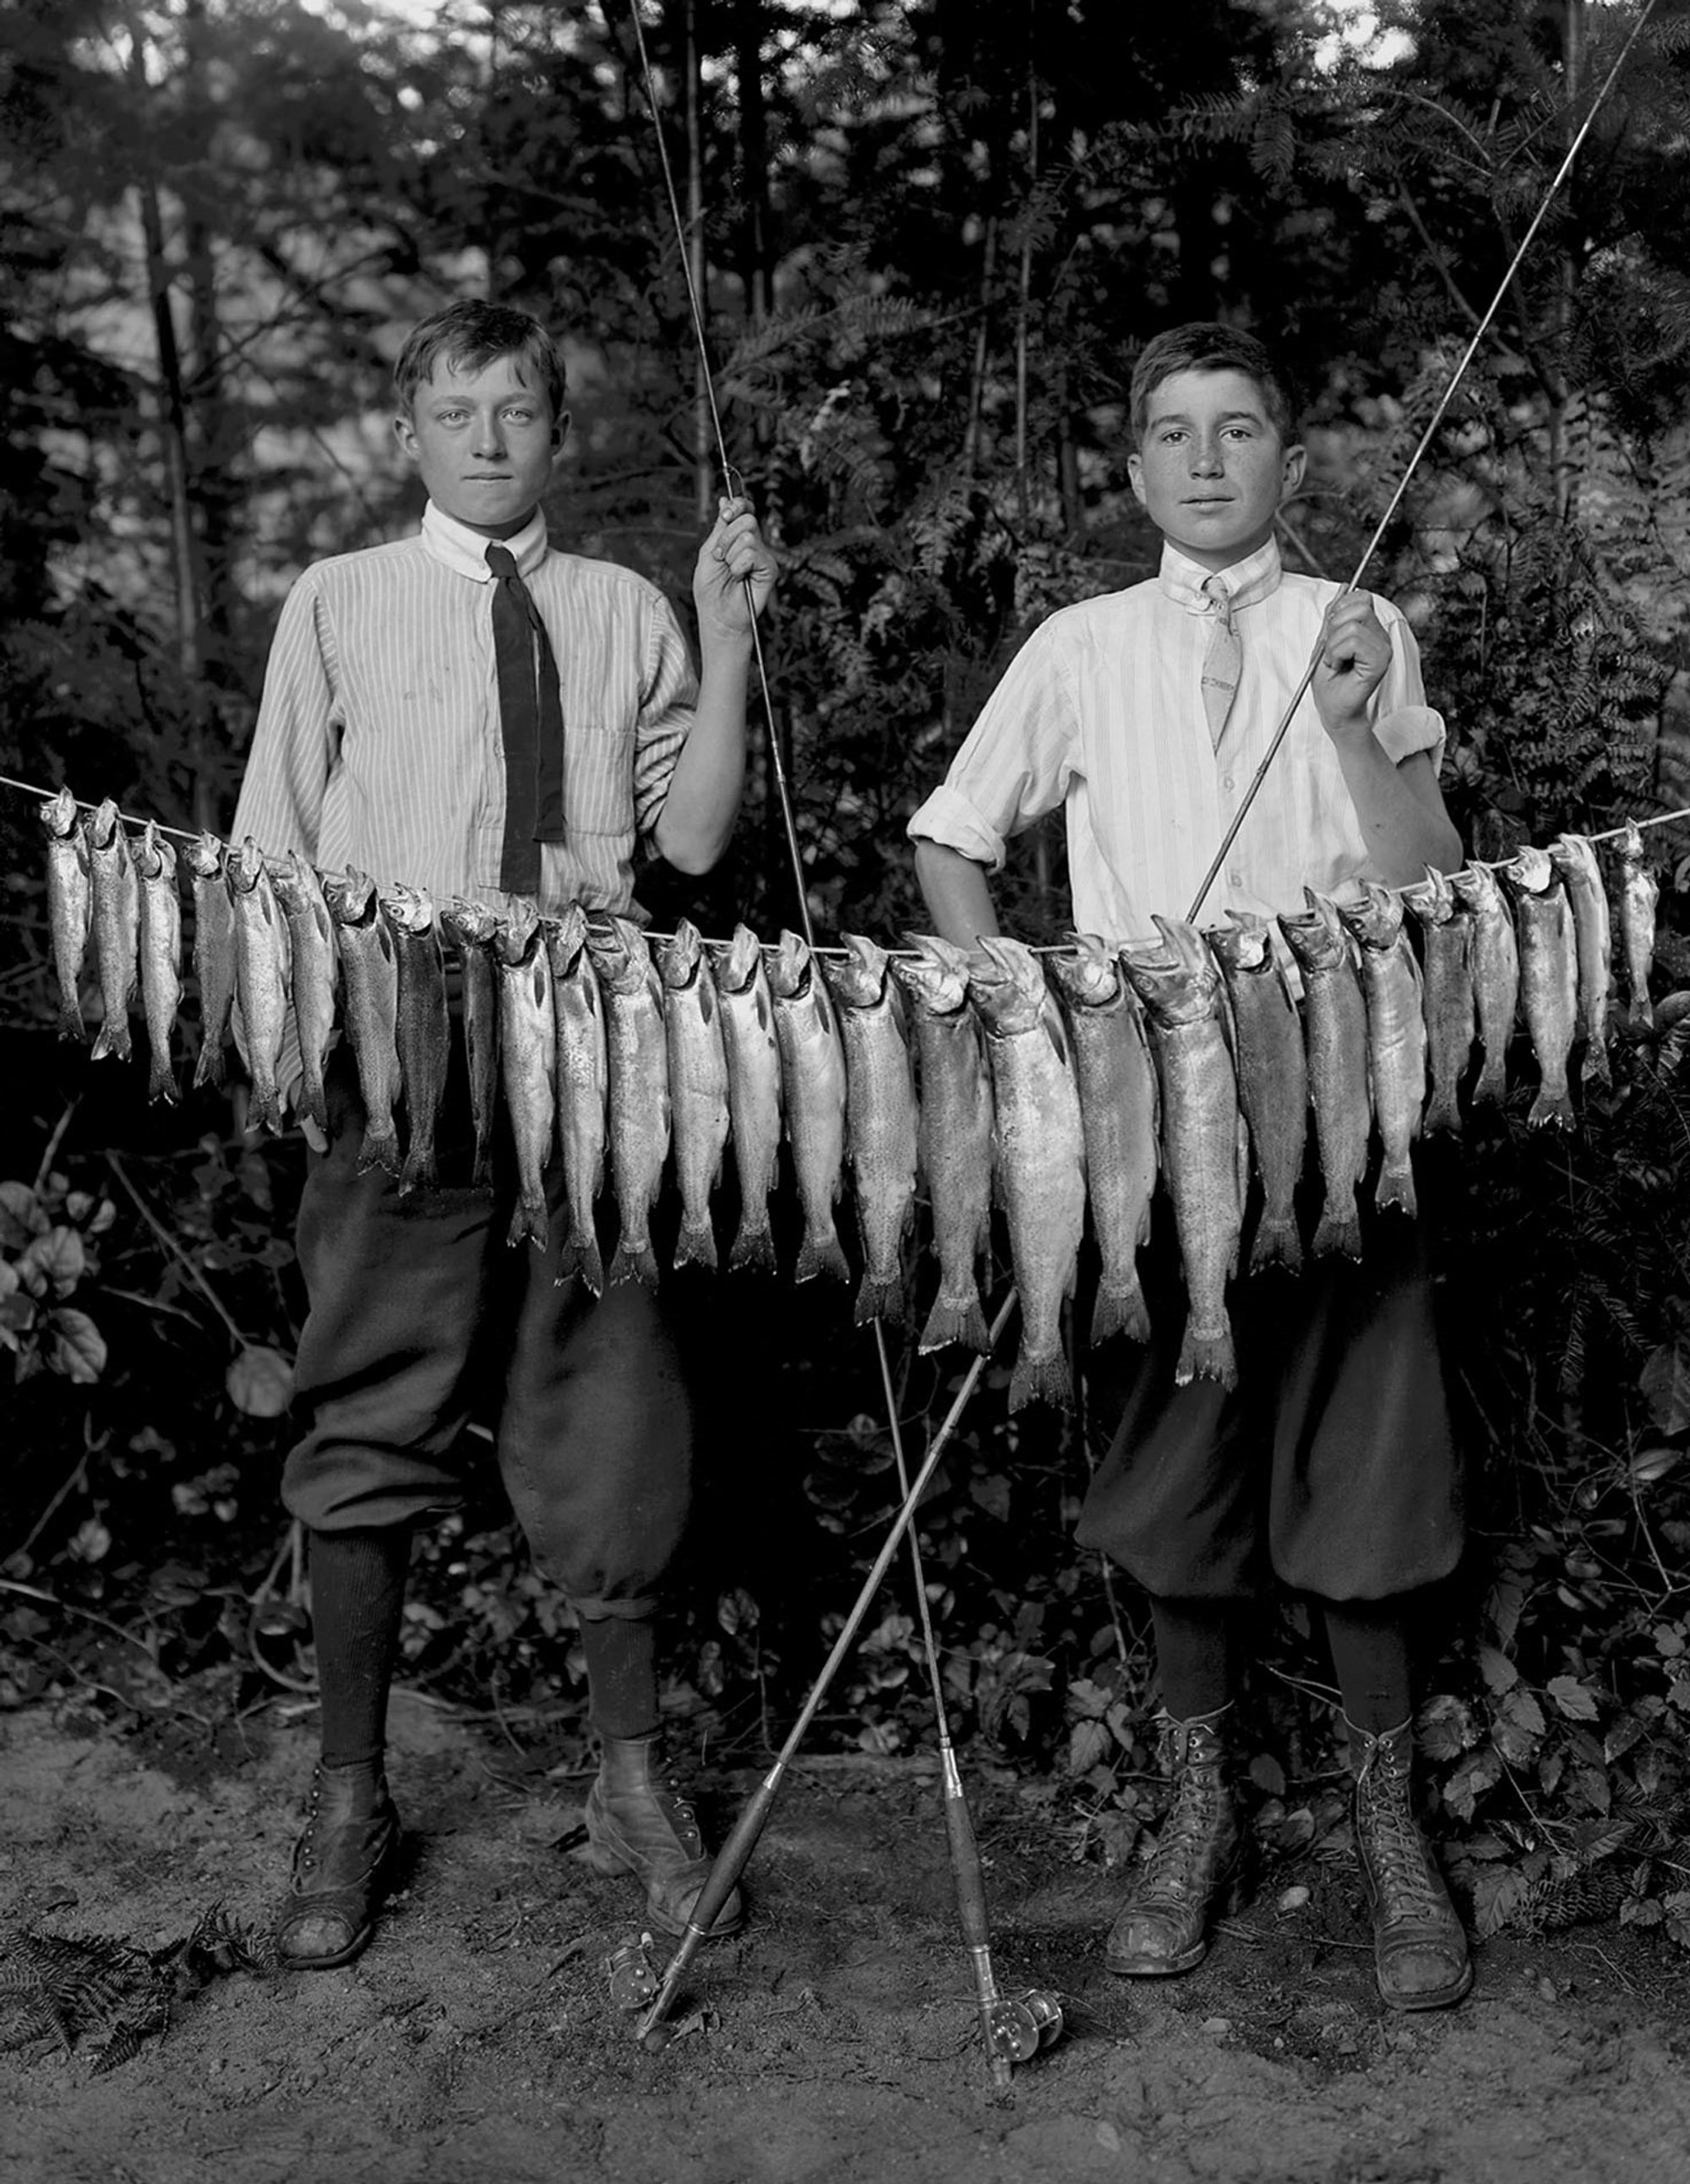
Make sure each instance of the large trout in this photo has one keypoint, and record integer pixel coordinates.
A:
(1273, 1079)
(697, 1087)
(812, 1088)
(1335, 1032)
(1451, 1021)
(583, 1091)
(116, 892)
(422, 1034)
(640, 1108)
(754, 1058)
(1496, 977)
(1396, 1036)
(315, 974)
(1548, 980)
(161, 956)
(261, 976)
(369, 973)
(70, 901)
(1575, 860)
(1639, 891)
(953, 1135)
(469, 926)
(528, 1064)
(879, 1119)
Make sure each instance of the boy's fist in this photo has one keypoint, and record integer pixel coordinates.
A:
(1355, 656)
(734, 549)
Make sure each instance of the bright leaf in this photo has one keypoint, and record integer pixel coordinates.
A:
(1664, 1381)
(78, 1349)
(1572, 1698)
(259, 1382)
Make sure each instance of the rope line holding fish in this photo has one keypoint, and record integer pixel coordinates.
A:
(1426, 440)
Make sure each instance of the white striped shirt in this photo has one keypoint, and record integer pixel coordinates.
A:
(1101, 711)
(378, 742)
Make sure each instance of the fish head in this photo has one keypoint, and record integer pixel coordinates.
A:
(411, 909)
(859, 977)
(104, 824)
(1632, 844)
(738, 963)
(680, 956)
(154, 857)
(1315, 934)
(1007, 984)
(58, 815)
(246, 867)
(565, 938)
(1529, 871)
(1086, 972)
(1476, 888)
(203, 857)
(1432, 899)
(1178, 979)
(1374, 919)
(350, 895)
(515, 934)
(936, 975)
(1245, 948)
(1575, 858)
(789, 966)
(468, 924)
(621, 954)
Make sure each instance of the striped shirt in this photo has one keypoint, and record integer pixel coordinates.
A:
(378, 742)
(1101, 711)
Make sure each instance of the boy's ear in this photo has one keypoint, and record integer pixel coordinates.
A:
(1135, 474)
(560, 431)
(1295, 462)
(405, 433)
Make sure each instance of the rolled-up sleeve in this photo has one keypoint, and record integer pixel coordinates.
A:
(668, 692)
(1015, 763)
(294, 743)
(1402, 723)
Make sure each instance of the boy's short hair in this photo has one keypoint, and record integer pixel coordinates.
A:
(1205, 345)
(471, 335)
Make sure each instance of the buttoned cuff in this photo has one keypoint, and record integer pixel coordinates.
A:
(948, 818)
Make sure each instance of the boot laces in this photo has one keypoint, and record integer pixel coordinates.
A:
(1395, 1846)
(1174, 1866)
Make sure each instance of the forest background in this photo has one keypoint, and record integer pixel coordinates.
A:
(931, 239)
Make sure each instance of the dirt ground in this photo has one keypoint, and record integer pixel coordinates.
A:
(835, 2040)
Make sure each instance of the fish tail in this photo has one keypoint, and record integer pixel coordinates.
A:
(1396, 1187)
(1641, 1012)
(1594, 1070)
(633, 1260)
(528, 1223)
(1207, 1357)
(112, 1038)
(1444, 1113)
(1339, 1232)
(71, 1023)
(1490, 1087)
(380, 1149)
(481, 1175)
(161, 1078)
(754, 1245)
(956, 1320)
(313, 1102)
(696, 1245)
(419, 1168)
(1119, 1309)
(208, 1069)
(1552, 1108)
(821, 1253)
(1041, 1380)
(1277, 1243)
(880, 1299)
(579, 1259)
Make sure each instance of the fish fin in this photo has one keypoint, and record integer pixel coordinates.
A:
(823, 1255)
(1490, 1087)
(1339, 1232)
(880, 1300)
(1396, 1187)
(1041, 1380)
(696, 1245)
(208, 1069)
(481, 1175)
(311, 1104)
(1119, 1309)
(1207, 1357)
(112, 1038)
(1551, 1107)
(633, 1263)
(161, 1078)
(1640, 1013)
(953, 1322)
(754, 1245)
(419, 1169)
(1594, 1069)
(380, 1149)
(1442, 1113)
(1277, 1243)
(71, 1023)
(528, 1223)
(579, 1257)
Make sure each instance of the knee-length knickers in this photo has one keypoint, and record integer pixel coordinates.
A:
(422, 1316)
(1330, 1467)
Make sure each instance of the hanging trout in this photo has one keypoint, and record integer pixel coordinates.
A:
(1117, 1085)
(261, 978)
(812, 1088)
(70, 903)
(754, 1059)
(1575, 860)
(1446, 928)
(1396, 1036)
(1548, 980)
(161, 956)
(953, 1135)
(1273, 1080)
(1041, 1153)
(1639, 891)
(528, 1064)
(116, 926)
(369, 971)
(583, 1092)
(697, 1087)
(1335, 1019)
(469, 926)
(1496, 977)
(421, 1031)
(314, 975)
(879, 1119)
(1181, 991)
(640, 1111)
(214, 953)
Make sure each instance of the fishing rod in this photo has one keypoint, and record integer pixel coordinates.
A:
(1426, 440)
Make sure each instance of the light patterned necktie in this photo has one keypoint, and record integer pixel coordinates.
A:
(1222, 662)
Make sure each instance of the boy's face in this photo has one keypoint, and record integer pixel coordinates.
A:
(484, 442)
(1211, 470)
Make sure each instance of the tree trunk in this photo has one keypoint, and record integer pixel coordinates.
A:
(704, 467)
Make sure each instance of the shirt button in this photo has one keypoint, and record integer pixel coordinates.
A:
(1235, 877)
(1226, 781)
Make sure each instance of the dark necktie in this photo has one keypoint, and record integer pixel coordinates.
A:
(532, 724)
(1223, 660)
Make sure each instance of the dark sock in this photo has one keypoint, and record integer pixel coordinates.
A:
(357, 1597)
(1195, 1653)
(621, 1674)
(1370, 1647)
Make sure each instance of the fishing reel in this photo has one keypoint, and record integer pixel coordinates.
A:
(632, 1976)
(1023, 2023)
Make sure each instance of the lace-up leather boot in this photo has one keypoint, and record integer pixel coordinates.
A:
(342, 1864)
(1196, 1872)
(638, 1822)
(1420, 1948)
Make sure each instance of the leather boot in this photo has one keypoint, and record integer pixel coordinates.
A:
(1419, 1947)
(1196, 1872)
(342, 1866)
(638, 1822)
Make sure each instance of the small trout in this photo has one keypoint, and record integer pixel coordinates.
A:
(70, 905)
(1396, 1036)
(1451, 1021)
(1335, 1032)
(261, 977)
(1183, 997)
(953, 1140)
(813, 1090)
(370, 972)
(528, 1064)
(422, 1032)
(1273, 1080)
(1548, 980)
(1041, 1153)
(754, 1058)
(697, 1087)
(116, 893)
(880, 1120)
(315, 974)
(469, 926)
(213, 952)
(1496, 977)
(1117, 1082)
(640, 1108)
(583, 1092)
(161, 956)
(1575, 860)
(1639, 890)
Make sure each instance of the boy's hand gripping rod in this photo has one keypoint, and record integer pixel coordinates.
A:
(1425, 439)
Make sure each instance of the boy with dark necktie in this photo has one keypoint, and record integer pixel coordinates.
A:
(471, 712)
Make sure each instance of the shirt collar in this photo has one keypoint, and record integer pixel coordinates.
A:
(1246, 581)
(465, 551)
